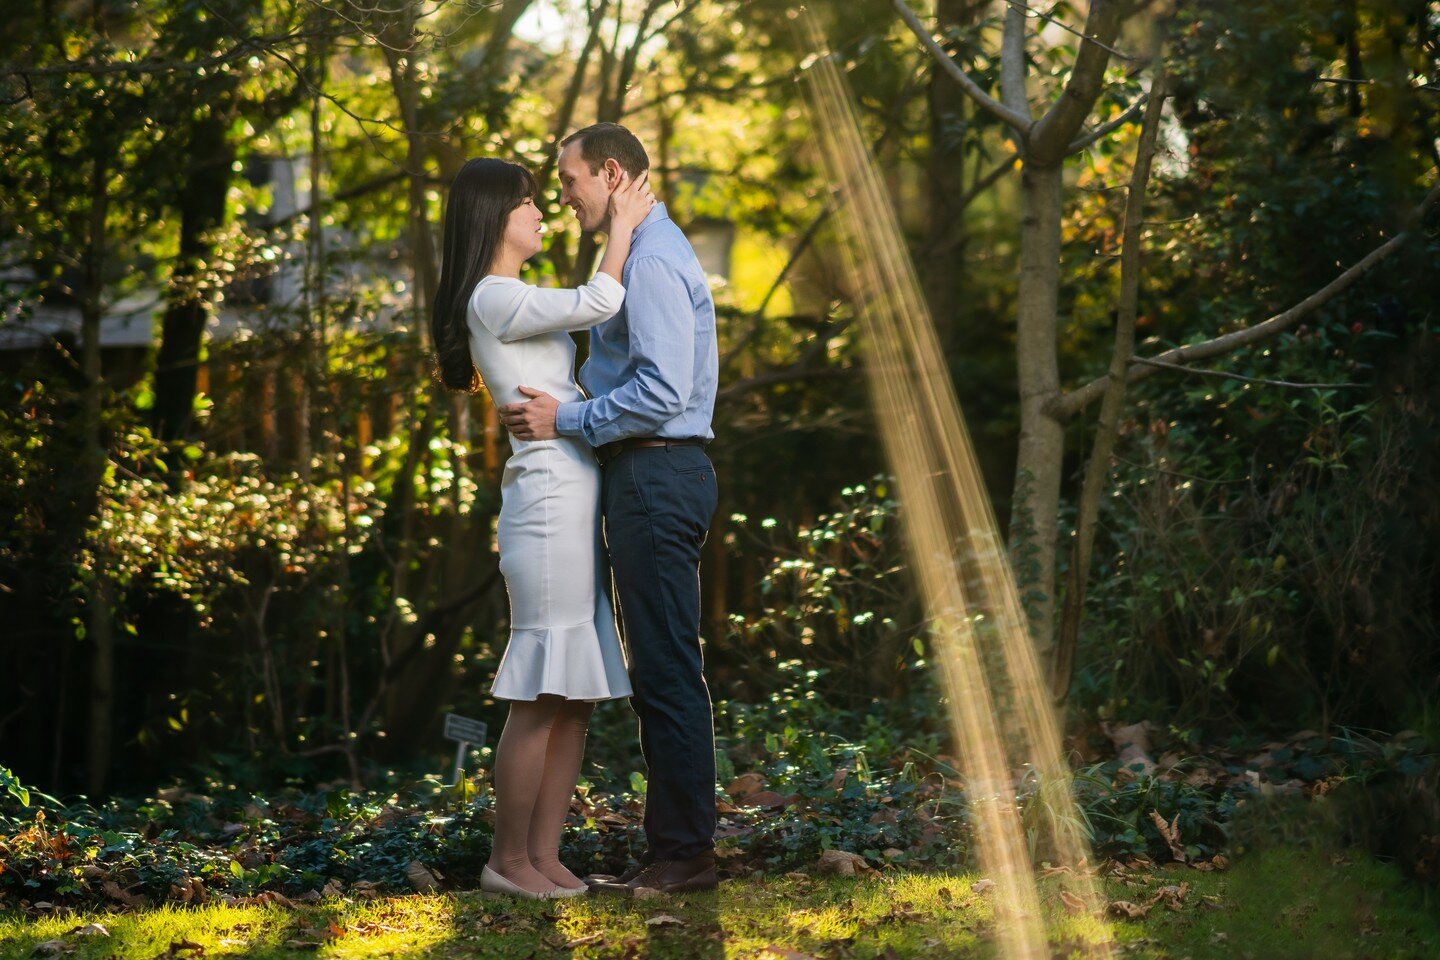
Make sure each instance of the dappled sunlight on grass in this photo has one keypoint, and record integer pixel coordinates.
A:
(1280, 903)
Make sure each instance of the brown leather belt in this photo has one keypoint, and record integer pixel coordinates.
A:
(609, 451)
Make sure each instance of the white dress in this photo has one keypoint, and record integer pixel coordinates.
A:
(562, 629)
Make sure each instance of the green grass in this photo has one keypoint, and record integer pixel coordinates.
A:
(1281, 903)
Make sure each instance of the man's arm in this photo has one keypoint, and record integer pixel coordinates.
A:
(661, 322)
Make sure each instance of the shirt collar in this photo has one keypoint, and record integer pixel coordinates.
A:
(656, 214)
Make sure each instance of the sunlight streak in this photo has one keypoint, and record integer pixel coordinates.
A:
(1000, 714)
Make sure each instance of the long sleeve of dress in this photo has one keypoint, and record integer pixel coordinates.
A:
(514, 311)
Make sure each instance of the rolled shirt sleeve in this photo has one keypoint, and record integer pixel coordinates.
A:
(514, 311)
(661, 321)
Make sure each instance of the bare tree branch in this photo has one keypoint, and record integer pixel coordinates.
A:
(757, 315)
(1097, 470)
(1069, 404)
(1371, 81)
(1052, 133)
(244, 48)
(1027, 12)
(1012, 60)
(989, 104)
(572, 95)
(1226, 375)
(1109, 126)
(988, 180)
(710, 89)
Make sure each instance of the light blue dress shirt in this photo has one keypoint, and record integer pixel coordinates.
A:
(653, 367)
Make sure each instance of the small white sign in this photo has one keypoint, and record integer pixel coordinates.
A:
(464, 729)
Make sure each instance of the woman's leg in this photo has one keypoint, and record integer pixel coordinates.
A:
(519, 765)
(562, 770)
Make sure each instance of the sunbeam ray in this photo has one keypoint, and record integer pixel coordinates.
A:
(998, 705)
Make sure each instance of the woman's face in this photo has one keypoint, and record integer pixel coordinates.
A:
(525, 229)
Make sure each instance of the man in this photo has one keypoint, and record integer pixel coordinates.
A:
(651, 374)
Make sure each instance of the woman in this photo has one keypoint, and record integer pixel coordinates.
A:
(564, 654)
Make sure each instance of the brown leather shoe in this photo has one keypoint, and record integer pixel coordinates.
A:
(631, 872)
(670, 876)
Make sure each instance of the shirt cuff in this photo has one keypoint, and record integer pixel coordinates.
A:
(569, 417)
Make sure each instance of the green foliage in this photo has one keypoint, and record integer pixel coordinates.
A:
(1268, 551)
(839, 599)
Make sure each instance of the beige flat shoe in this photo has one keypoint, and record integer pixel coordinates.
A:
(559, 892)
(492, 882)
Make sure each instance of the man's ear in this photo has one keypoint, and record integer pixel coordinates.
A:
(612, 173)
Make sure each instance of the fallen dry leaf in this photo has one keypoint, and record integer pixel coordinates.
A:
(88, 930)
(1172, 896)
(1074, 905)
(585, 940)
(189, 890)
(843, 863)
(113, 891)
(981, 886)
(745, 784)
(421, 877)
(664, 920)
(366, 889)
(1126, 910)
(270, 896)
(1170, 833)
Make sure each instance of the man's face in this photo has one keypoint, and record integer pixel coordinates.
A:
(584, 192)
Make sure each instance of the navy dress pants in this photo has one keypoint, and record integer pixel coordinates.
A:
(658, 502)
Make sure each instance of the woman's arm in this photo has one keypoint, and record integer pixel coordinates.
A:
(514, 311)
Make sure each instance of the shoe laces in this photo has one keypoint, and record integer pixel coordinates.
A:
(652, 870)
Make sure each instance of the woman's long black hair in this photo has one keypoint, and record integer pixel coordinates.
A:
(481, 198)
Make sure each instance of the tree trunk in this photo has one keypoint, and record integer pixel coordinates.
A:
(1034, 520)
(946, 168)
(94, 454)
(202, 209)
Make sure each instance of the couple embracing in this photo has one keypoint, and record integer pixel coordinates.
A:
(608, 477)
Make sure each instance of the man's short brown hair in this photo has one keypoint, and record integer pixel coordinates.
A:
(610, 141)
